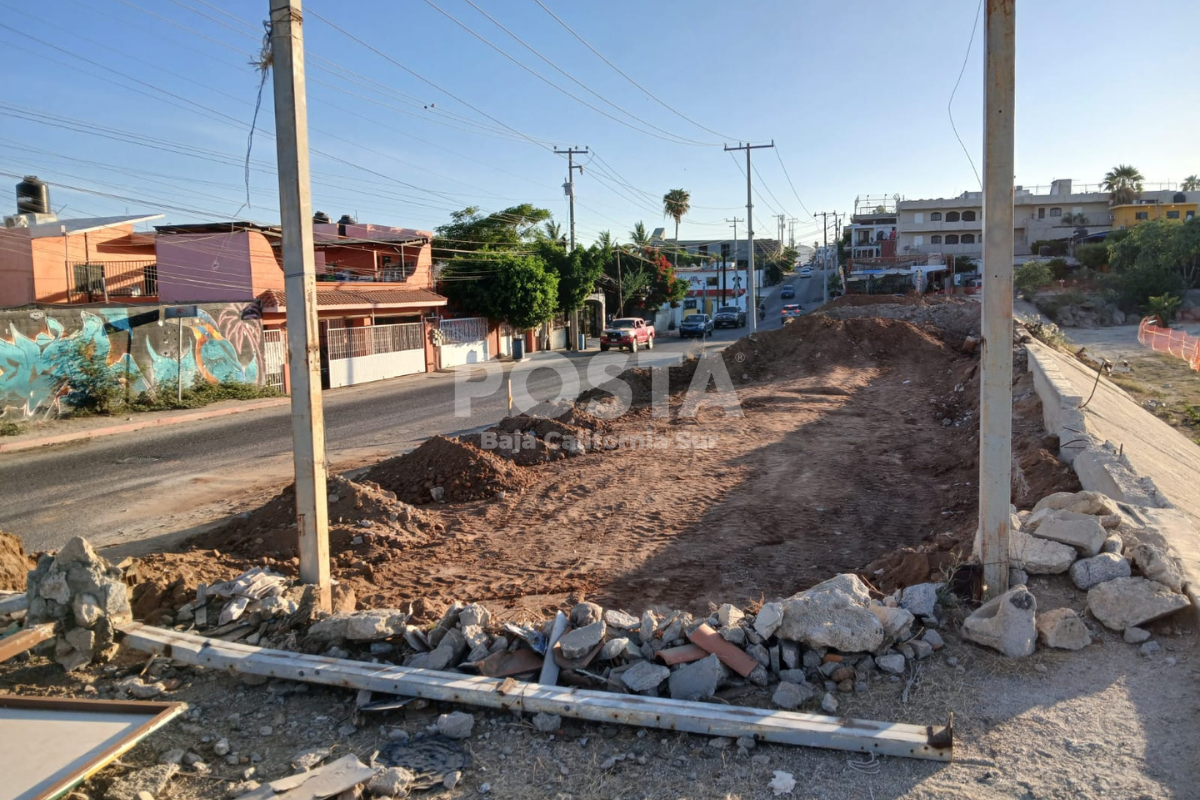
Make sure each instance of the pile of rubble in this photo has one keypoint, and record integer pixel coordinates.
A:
(14, 564)
(1085, 535)
(529, 440)
(831, 638)
(84, 596)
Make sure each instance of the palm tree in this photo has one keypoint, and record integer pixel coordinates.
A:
(1123, 184)
(553, 231)
(676, 203)
(639, 235)
(1190, 184)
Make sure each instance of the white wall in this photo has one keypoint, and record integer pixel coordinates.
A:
(364, 369)
(454, 355)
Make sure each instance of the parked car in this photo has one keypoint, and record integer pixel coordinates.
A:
(787, 292)
(695, 325)
(627, 332)
(806, 272)
(729, 317)
(789, 312)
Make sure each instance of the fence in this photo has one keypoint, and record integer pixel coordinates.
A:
(374, 340)
(464, 331)
(274, 358)
(101, 281)
(1175, 343)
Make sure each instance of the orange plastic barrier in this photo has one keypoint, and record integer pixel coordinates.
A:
(1165, 340)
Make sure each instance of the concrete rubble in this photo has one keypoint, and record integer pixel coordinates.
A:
(1063, 629)
(1131, 602)
(1005, 623)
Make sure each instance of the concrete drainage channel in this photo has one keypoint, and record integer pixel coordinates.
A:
(1102, 467)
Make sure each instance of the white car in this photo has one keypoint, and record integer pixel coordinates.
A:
(806, 272)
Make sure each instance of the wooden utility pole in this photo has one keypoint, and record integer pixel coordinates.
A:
(995, 421)
(299, 271)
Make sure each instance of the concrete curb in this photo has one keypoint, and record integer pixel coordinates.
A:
(129, 427)
(1102, 468)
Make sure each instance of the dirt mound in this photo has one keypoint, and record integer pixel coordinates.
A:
(462, 470)
(353, 507)
(952, 319)
(858, 300)
(528, 441)
(14, 564)
(813, 344)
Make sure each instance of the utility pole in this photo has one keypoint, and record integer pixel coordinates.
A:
(570, 153)
(792, 232)
(299, 271)
(995, 420)
(724, 264)
(752, 305)
(825, 255)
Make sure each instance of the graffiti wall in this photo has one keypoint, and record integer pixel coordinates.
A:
(42, 347)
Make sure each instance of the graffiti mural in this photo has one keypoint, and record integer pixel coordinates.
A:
(40, 347)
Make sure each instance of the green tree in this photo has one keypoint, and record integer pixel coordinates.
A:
(1093, 255)
(552, 231)
(1123, 184)
(1031, 276)
(470, 230)
(639, 236)
(1190, 184)
(676, 203)
(1150, 261)
(518, 289)
(1163, 307)
(577, 271)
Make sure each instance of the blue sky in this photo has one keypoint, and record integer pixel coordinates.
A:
(854, 95)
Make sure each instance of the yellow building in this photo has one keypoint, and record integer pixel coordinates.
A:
(1126, 216)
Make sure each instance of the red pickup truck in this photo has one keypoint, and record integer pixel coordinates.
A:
(630, 332)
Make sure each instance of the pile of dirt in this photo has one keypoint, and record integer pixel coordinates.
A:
(460, 469)
(528, 441)
(813, 344)
(354, 506)
(14, 564)
(952, 319)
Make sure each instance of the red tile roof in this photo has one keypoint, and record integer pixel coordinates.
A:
(343, 296)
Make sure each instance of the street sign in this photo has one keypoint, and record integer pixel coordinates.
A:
(179, 312)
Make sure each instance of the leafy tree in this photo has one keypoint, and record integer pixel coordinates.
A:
(964, 264)
(520, 290)
(1123, 184)
(1150, 261)
(470, 230)
(1058, 268)
(1190, 184)
(577, 271)
(1031, 276)
(676, 203)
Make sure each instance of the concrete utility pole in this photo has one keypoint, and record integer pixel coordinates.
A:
(724, 263)
(299, 272)
(995, 420)
(570, 153)
(751, 305)
(825, 256)
(792, 232)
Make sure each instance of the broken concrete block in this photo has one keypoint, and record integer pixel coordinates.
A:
(621, 647)
(152, 780)
(644, 676)
(474, 615)
(789, 655)
(697, 680)
(82, 640)
(1081, 531)
(584, 614)
(895, 621)
(1005, 623)
(1085, 502)
(620, 620)
(1128, 602)
(390, 782)
(791, 696)
(547, 723)
(759, 654)
(87, 609)
(54, 587)
(768, 620)
(1157, 566)
(455, 725)
(829, 703)
(735, 635)
(892, 664)
(375, 624)
(836, 613)
(920, 600)
(1063, 629)
(1136, 635)
(648, 627)
(792, 676)
(729, 615)
(580, 641)
(1087, 572)
(921, 649)
(1113, 543)
(934, 639)
(1017, 576)
(1039, 556)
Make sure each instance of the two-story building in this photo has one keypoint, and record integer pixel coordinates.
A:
(1145, 209)
(873, 228)
(954, 226)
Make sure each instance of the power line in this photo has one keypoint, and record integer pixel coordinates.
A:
(950, 102)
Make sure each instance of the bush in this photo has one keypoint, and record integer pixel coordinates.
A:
(9, 428)
(1046, 332)
(1093, 256)
(1031, 276)
(91, 385)
(165, 397)
(1059, 268)
(1055, 247)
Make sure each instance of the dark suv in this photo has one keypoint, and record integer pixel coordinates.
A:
(729, 317)
(787, 292)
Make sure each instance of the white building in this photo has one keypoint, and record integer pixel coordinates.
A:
(954, 226)
(709, 288)
(873, 227)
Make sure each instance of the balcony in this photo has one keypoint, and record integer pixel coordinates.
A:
(387, 273)
(107, 281)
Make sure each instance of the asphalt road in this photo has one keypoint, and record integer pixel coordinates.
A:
(162, 481)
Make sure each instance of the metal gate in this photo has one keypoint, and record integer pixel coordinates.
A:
(375, 352)
(274, 357)
(464, 341)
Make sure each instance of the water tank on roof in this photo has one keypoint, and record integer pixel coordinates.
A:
(346, 220)
(1180, 197)
(33, 196)
(321, 217)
